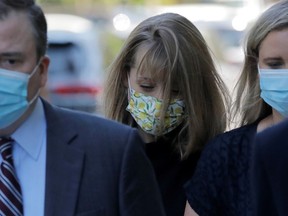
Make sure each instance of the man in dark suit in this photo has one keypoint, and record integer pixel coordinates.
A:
(269, 172)
(63, 162)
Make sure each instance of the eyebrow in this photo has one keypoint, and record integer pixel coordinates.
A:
(11, 54)
(140, 77)
(146, 79)
(272, 57)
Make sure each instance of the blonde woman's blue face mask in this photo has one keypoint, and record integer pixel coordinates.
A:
(274, 89)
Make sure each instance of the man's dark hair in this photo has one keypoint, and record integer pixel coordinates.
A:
(36, 17)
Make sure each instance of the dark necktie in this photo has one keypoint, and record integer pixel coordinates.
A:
(10, 191)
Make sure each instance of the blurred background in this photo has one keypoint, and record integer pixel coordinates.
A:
(85, 36)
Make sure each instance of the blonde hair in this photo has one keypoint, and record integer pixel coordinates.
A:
(176, 49)
(248, 104)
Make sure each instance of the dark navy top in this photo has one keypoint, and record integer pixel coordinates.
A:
(171, 173)
(221, 182)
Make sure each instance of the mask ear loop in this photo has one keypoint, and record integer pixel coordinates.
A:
(35, 68)
(33, 72)
(128, 78)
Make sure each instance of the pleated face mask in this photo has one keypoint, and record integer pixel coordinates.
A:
(13, 95)
(274, 88)
(146, 112)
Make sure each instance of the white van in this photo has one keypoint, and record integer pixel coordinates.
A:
(76, 74)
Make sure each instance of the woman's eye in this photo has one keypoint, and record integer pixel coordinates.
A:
(147, 87)
(274, 65)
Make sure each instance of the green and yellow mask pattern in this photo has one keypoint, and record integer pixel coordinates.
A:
(146, 112)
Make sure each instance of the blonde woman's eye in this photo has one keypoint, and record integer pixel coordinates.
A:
(275, 64)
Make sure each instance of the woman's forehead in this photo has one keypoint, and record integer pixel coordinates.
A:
(275, 44)
(139, 54)
(148, 64)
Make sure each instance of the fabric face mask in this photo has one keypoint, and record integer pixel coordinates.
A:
(13, 95)
(146, 112)
(274, 88)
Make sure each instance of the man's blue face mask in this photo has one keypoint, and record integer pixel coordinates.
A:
(274, 88)
(13, 95)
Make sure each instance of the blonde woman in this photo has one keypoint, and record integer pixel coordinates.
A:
(164, 83)
(221, 184)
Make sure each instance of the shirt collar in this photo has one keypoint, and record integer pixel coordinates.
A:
(31, 134)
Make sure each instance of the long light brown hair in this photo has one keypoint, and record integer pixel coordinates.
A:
(176, 49)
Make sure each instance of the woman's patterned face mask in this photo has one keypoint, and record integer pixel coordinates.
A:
(146, 112)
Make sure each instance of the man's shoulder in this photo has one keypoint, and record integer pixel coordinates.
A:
(82, 120)
(96, 131)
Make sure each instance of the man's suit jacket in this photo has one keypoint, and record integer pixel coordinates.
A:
(96, 167)
(270, 171)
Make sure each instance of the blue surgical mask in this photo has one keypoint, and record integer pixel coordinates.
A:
(274, 88)
(13, 95)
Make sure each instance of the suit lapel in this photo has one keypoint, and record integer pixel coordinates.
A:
(63, 166)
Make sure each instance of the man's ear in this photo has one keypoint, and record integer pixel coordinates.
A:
(44, 65)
